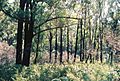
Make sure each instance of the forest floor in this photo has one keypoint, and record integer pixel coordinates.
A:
(56, 72)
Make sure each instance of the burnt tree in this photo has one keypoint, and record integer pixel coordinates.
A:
(28, 36)
(19, 35)
(56, 46)
(76, 42)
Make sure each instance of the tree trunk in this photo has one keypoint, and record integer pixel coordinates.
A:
(61, 52)
(95, 33)
(50, 41)
(56, 46)
(111, 58)
(67, 44)
(81, 40)
(101, 55)
(76, 42)
(28, 39)
(84, 35)
(19, 36)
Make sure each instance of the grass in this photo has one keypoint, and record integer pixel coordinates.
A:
(55, 72)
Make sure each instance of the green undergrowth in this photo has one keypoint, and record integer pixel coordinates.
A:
(56, 72)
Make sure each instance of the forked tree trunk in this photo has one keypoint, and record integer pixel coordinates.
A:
(19, 36)
(28, 39)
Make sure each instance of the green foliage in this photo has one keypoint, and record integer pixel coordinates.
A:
(7, 29)
(68, 72)
(7, 71)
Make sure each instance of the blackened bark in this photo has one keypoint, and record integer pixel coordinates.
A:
(64, 42)
(50, 41)
(81, 40)
(19, 43)
(111, 58)
(67, 44)
(19, 36)
(28, 39)
(90, 41)
(56, 46)
(61, 50)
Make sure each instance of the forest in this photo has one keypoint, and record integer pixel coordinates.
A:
(59, 40)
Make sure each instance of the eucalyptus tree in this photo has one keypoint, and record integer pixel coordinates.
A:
(68, 45)
(50, 42)
(56, 46)
(76, 43)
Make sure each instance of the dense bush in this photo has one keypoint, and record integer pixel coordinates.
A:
(68, 72)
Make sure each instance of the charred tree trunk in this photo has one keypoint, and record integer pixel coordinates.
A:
(19, 43)
(61, 50)
(81, 40)
(56, 46)
(26, 35)
(90, 41)
(76, 42)
(111, 55)
(19, 36)
(28, 38)
(67, 44)
(64, 40)
(50, 41)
